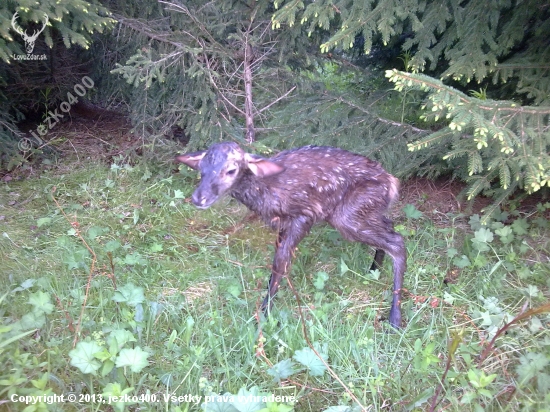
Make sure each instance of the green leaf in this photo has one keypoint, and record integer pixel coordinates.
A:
(475, 222)
(146, 175)
(532, 291)
(134, 259)
(421, 399)
(535, 325)
(32, 320)
(276, 407)
(234, 289)
(281, 370)
(411, 212)
(96, 231)
(541, 222)
(43, 221)
(135, 358)
(484, 235)
(41, 302)
(115, 390)
(486, 379)
(473, 377)
(311, 361)
(103, 355)
(374, 274)
(424, 357)
(156, 247)
(506, 234)
(108, 366)
(520, 226)
(178, 194)
(75, 257)
(112, 245)
(83, 357)
(343, 267)
(481, 239)
(248, 400)
(485, 392)
(189, 324)
(25, 285)
(462, 261)
(452, 252)
(119, 338)
(219, 403)
(448, 298)
(530, 366)
(130, 294)
(41, 382)
(468, 397)
(480, 381)
(320, 280)
(543, 383)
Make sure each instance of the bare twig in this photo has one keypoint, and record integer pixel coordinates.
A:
(276, 100)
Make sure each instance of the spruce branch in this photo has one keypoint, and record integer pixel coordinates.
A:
(503, 133)
(382, 120)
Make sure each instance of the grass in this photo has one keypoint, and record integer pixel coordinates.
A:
(168, 305)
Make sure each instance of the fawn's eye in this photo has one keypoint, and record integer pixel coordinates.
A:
(231, 172)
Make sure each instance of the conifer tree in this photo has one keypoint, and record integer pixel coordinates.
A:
(27, 85)
(219, 71)
(501, 141)
(212, 68)
(75, 21)
(497, 146)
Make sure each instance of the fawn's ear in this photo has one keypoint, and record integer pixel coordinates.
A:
(191, 159)
(262, 167)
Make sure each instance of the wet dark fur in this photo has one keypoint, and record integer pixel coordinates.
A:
(298, 188)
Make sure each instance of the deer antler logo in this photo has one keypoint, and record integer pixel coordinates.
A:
(29, 40)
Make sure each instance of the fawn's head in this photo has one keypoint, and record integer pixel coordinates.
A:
(222, 167)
